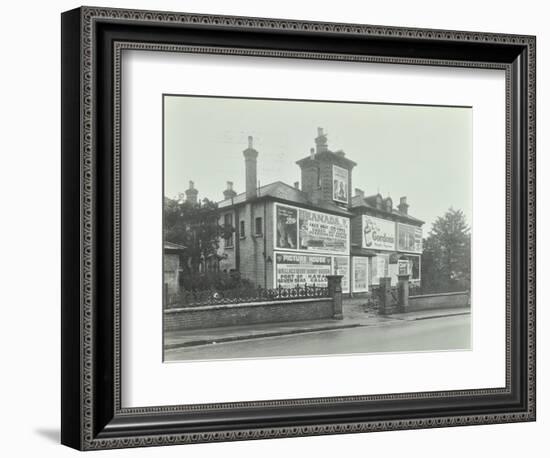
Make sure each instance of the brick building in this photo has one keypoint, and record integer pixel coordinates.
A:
(287, 235)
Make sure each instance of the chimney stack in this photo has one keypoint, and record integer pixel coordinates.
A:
(192, 193)
(360, 192)
(321, 140)
(403, 205)
(250, 163)
(229, 192)
(297, 184)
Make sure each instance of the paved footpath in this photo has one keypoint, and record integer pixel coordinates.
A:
(354, 317)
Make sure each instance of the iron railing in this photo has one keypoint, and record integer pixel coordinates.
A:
(243, 295)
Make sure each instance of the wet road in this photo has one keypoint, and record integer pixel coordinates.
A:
(449, 333)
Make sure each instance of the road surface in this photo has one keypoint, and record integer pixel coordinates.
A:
(448, 333)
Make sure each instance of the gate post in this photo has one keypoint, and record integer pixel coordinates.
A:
(384, 292)
(335, 291)
(403, 292)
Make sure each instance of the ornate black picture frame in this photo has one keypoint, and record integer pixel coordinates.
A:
(92, 42)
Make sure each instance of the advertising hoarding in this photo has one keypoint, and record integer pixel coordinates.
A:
(286, 219)
(340, 178)
(378, 234)
(308, 230)
(360, 274)
(409, 238)
(298, 269)
(301, 269)
(340, 266)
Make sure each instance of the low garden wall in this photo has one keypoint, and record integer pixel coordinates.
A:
(438, 301)
(211, 316)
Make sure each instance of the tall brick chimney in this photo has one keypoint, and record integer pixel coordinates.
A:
(321, 142)
(403, 206)
(229, 192)
(250, 164)
(318, 170)
(192, 193)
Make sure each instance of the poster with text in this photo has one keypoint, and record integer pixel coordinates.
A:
(287, 227)
(340, 266)
(322, 232)
(298, 269)
(409, 238)
(340, 184)
(379, 268)
(378, 234)
(360, 274)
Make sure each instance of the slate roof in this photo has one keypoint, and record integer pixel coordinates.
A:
(283, 191)
(358, 202)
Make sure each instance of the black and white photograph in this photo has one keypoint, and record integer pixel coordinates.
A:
(296, 228)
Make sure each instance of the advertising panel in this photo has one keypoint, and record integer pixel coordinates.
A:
(378, 234)
(360, 274)
(379, 268)
(340, 184)
(409, 238)
(308, 230)
(299, 269)
(340, 266)
(286, 219)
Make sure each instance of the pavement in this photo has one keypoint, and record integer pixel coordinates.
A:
(355, 315)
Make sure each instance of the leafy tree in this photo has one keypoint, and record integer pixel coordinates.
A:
(446, 258)
(195, 226)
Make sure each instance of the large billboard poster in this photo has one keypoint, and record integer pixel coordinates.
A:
(340, 184)
(300, 269)
(287, 227)
(379, 268)
(340, 266)
(312, 231)
(360, 274)
(378, 234)
(409, 238)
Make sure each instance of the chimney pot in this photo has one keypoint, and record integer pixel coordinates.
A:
(250, 164)
(297, 184)
(250, 142)
(229, 192)
(403, 205)
(192, 193)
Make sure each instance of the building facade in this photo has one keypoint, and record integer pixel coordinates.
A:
(296, 235)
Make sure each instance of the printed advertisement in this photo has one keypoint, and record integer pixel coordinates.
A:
(340, 184)
(308, 230)
(298, 269)
(409, 238)
(340, 266)
(287, 227)
(360, 274)
(378, 234)
(379, 267)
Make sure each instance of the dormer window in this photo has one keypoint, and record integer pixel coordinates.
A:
(389, 205)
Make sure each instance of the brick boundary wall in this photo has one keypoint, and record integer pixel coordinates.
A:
(438, 301)
(212, 316)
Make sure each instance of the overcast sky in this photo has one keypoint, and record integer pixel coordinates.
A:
(422, 152)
